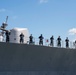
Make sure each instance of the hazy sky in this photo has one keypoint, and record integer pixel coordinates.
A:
(47, 17)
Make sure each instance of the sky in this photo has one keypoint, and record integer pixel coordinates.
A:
(47, 17)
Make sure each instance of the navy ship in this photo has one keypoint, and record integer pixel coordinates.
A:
(26, 59)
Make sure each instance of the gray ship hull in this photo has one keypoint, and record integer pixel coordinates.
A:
(23, 59)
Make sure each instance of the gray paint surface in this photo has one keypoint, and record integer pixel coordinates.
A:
(23, 59)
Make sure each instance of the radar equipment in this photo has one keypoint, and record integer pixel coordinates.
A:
(4, 24)
(3, 28)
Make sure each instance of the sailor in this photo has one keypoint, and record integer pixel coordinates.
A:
(59, 41)
(67, 42)
(7, 36)
(41, 39)
(51, 41)
(21, 38)
(31, 39)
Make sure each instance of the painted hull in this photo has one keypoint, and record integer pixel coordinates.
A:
(23, 59)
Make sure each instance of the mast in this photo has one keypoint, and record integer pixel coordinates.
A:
(4, 24)
(3, 28)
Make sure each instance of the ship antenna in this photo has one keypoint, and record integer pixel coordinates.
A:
(6, 19)
(4, 24)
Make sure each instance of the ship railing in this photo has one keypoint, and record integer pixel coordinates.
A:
(46, 42)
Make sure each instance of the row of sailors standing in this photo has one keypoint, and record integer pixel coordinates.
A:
(41, 40)
(31, 39)
(51, 41)
(59, 42)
